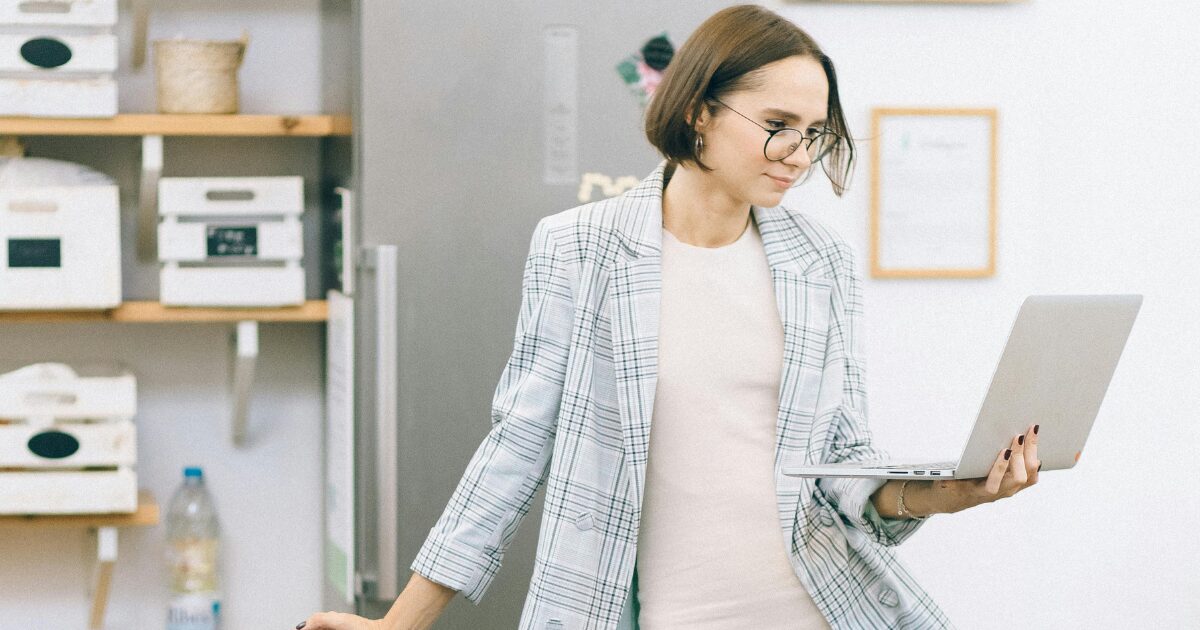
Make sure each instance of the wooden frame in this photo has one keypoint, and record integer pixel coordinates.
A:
(915, 251)
(907, 1)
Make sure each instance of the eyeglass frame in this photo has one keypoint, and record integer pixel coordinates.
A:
(771, 134)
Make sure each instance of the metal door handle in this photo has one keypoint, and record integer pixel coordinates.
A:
(386, 383)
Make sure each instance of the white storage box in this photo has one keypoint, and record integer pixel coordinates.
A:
(44, 55)
(69, 492)
(67, 443)
(231, 241)
(230, 196)
(59, 98)
(53, 391)
(59, 12)
(60, 248)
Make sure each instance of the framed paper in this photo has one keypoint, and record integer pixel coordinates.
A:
(933, 193)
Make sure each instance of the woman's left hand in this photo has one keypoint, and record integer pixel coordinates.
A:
(1016, 468)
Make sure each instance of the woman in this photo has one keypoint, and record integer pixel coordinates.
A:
(675, 305)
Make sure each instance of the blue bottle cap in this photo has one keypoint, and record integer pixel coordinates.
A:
(193, 471)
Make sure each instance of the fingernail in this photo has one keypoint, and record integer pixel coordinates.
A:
(1035, 428)
(1020, 439)
(1040, 467)
(301, 625)
(1007, 452)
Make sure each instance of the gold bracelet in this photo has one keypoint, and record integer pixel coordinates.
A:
(901, 509)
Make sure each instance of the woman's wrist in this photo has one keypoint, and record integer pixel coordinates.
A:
(920, 498)
(419, 605)
(934, 497)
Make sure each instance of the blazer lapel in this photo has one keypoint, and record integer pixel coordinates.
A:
(804, 302)
(635, 294)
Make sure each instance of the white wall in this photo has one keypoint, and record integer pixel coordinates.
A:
(1098, 148)
(268, 493)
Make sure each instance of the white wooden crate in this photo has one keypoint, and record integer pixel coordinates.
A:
(56, 391)
(230, 196)
(46, 55)
(232, 286)
(59, 12)
(69, 492)
(53, 424)
(68, 444)
(216, 234)
(230, 240)
(59, 98)
(60, 248)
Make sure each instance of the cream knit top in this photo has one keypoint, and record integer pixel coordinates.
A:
(711, 555)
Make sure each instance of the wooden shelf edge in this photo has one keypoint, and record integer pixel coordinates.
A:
(250, 125)
(147, 514)
(314, 311)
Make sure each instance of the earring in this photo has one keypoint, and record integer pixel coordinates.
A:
(699, 143)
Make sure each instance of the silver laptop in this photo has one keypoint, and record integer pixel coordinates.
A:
(1054, 371)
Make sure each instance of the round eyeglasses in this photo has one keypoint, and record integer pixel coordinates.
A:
(785, 141)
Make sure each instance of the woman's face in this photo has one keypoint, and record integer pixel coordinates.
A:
(791, 92)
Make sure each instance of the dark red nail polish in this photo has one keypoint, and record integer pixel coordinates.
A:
(1039, 468)
(301, 625)
(1007, 452)
(1021, 439)
(1035, 428)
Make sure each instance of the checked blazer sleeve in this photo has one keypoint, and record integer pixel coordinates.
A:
(851, 439)
(464, 548)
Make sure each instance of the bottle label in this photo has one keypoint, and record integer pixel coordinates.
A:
(193, 565)
(196, 611)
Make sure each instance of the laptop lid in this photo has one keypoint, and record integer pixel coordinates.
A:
(1054, 371)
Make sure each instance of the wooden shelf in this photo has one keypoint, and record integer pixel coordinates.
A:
(147, 514)
(180, 125)
(156, 313)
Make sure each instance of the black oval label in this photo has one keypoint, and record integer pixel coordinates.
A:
(53, 445)
(45, 52)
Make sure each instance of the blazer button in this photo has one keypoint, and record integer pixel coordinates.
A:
(888, 597)
(583, 521)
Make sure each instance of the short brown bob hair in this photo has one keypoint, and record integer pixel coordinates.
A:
(722, 57)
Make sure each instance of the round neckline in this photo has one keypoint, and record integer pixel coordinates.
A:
(744, 236)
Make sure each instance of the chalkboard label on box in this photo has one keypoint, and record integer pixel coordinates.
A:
(224, 241)
(46, 52)
(34, 252)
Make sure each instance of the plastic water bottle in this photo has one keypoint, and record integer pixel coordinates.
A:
(193, 550)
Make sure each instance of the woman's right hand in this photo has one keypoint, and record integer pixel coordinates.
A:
(339, 621)
(417, 607)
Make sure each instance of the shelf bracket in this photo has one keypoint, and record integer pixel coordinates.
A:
(106, 558)
(147, 218)
(245, 356)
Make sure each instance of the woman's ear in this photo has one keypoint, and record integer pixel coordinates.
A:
(701, 121)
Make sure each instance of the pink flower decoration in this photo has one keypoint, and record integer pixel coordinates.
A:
(650, 78)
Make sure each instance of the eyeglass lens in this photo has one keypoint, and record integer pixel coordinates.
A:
(787, 141)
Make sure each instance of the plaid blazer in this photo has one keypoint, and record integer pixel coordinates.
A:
(573, 410)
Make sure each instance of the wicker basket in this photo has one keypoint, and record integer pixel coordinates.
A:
(198, 76)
